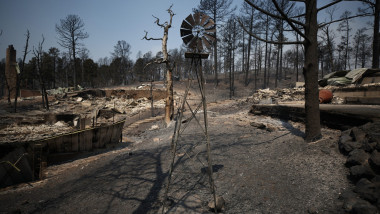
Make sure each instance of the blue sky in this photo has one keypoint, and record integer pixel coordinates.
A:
(105, 21)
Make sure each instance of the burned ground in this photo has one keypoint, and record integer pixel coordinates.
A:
(261, 165)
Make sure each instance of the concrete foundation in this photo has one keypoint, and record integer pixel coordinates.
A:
(340, 117)
(359, 94)
(30, 158)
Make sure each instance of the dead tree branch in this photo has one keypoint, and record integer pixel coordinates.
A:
(339, 20)
(329, 5)
(146, 37)
(267, 41)
(273, 15)
(288, 20)
(19, 76)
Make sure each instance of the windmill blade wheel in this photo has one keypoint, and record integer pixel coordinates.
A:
(198, 32)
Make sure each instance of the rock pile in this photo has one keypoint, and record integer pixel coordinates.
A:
(275, 96)
(278, 95)
(362, 146)
(23, 133)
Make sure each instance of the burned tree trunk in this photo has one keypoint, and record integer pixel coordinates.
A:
(38, 55)
(310, 72)
(19, 76)
(169, 105)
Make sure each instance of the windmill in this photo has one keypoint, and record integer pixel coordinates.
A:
(198, 33)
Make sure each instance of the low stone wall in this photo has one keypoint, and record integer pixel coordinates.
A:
(331, 118)
(362, 147)
(369, 94)
(127, 93)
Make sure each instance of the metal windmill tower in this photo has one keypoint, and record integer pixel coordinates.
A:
(198, 33)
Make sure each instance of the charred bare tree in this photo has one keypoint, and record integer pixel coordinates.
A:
(344, 27)
(328, 36)
(373, 8)
(38, 55)
(83, 55)
(361, 47)
(229, 38)
(54, 53)
(250, 11)
(169, 103)
(122, 50)
(217, 10)
(19, 76)
(70, 32)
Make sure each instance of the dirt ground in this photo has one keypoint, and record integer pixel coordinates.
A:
(256, 170)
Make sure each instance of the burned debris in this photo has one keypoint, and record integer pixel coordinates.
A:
(79, 121)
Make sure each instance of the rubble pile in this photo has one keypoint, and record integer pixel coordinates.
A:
(268, 96)
(356, 76)
(332, 87)
(95, 110)
(362, 146)
(24, 133)
(275, 96)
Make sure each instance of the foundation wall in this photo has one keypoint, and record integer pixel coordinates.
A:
(35, 156)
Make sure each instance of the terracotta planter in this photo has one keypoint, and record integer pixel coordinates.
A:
(325, 96)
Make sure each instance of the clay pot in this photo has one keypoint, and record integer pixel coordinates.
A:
(325, 96)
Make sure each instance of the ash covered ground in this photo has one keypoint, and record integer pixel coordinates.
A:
(260, 165)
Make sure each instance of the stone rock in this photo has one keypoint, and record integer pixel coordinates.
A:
(154, 127)
(344, 138)
(368, 190)
(219, 204)
(266, 101)
(369, 146)
(361, 171)
(59, 123)
(363, 207)
(346, 146)
(133, 103)
(358, 135)
(86, 104)
(79, 99)
(118, 111)
(258, 125)
(374, 161)
(270, 128)
(347, 194)
(357, 157)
